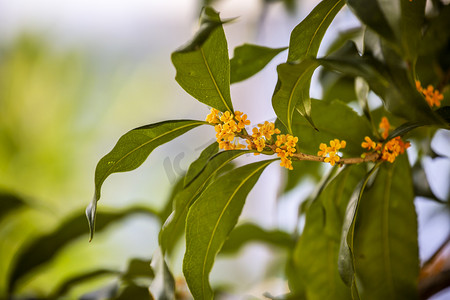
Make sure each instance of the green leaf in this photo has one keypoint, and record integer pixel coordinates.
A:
(248, 232)
(134, 291)
(306, 37)
(338, 87)
(211, 219)
(163, 285)
(410, 28)
(293, 91)
(174, 225)
(371, 15)
(138, 268)
(131, 151)
(45, 247)
(66, 286)
(302, 169)
(316, 253)
(436, 36)
(199, 164)
(334, 120)
(250, 59)
(386, 247)
(203, 66)
(346, 266)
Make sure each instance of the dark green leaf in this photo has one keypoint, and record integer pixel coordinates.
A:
(133, 291)
(316, 254)
(353, 34)
(168, 206)
(131, 151)
(9, 202)
(338, 87)
(203, 66)
(410, 28)
(174, 225)
(385, 242)
(250, 59)
(436, 36)
(346, 266)
(44, 248)
(403, 129)
(248, 232)
(371, 14)
(197, 166)
(293, 91)
(211, 219)
(163, 285)
(138, 268)
(302, 169)
(444, 113)
(335, 120)
(307, 36)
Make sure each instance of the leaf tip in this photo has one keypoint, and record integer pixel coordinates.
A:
(91, 211)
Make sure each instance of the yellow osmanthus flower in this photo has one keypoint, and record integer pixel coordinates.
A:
(432, 96)
(228, 126)
(391, 148)
(331, 151)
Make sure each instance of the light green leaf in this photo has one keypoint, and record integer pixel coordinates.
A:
(45, 247)
(197, 166)
(306, 37)
(337, 86)
(316, 254)
(346, 265)
(174, 225)
(248, 232)
(293, 91)
(211, 219)
(335, 120)
(250, 59)
(203, 66)
(385, 245)
(131, 151)
(163, 285)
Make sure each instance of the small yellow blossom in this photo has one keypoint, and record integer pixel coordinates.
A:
(331, 151)
(369, 144)
(432, 96)
(213, 117)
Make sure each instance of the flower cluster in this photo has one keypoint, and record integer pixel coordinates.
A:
(228, 127)
(286, 146)
(432, 96)
(391, 149)
(331, 151)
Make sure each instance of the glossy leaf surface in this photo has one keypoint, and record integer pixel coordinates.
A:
(174, 225)
(131, 151)
(306, 37)
(293, 91)
(316, 254)
(211, 219)
(197, 165)
(249, 59)
(203, 66)
(385, 246)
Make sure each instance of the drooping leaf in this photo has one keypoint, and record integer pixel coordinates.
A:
(250, 59)
(163, 285)
(203, 66)
(306, 37)
(316, 253)
(248, 232)
(9, 202)
(197, 166)
(335, 120)
(385, 240)
(293, 91)
(44, 248)
(346, 266)
(131, 151)
(174, 225)
(211, 219)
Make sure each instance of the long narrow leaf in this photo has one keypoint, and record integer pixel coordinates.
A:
(306, 37)
(197, 166)
(385, 241)
(210, 220)
(131, 151)
(203, 66)
(346, 266)
(174, 225)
